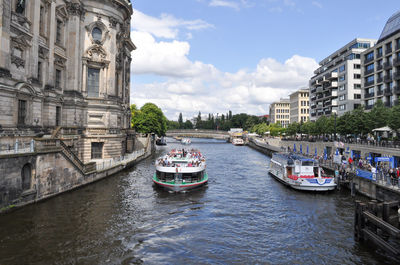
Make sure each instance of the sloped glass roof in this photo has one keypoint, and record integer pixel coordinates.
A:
(392, 26)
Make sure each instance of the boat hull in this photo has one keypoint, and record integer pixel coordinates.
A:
(180, 187)
(305, 184)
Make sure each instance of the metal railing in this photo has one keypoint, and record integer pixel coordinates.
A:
(116, 161)
(17, 148)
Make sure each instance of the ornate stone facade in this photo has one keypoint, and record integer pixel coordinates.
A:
(65, 72)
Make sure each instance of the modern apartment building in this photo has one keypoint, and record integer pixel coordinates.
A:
(381, 67)
(299, 105)
(279, 112)
(336, 86)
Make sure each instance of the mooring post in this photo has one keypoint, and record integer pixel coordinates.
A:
(356, 220)
(362, 208)
(353, 188)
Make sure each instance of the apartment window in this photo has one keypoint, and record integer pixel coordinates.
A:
(389, 47)
(369, 56)
(93, 82)
(97, 150)
(390, 85)
(342, 87)
(380, 87)
(369, 79)
(353, 56)
(58, 116)
(21, 112)
(97, 34)
(342, 77)
(342, 107)
(357, 76)
(58, 78)
(357, 86)
(357, 96)
(39, 71)
(370, 102)
(356, 66)
(370, 90)
(379, 63)
(369, 67)
(58, 31)
(342, 97)
(342, 68)
(379, 51)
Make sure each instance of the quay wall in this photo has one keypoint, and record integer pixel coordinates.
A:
(365, 187)
(31, 177)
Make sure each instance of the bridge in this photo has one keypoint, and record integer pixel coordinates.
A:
(221, 135)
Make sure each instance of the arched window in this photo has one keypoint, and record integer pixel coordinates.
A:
(97, 34)
(26, 176)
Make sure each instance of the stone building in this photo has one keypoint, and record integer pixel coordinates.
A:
(381, 67)
(65, 73)
(279, 112)
(299, 106)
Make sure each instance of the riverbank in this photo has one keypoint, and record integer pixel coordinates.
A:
(50, 169)
(368, 187)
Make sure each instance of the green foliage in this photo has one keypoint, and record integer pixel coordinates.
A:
(293, 128)
(394, 118)
(150, 119)
(134, 112)
(180, 121)
(172, 125)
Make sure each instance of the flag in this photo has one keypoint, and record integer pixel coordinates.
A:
(307, 149)
(301, 149)
(294, 148)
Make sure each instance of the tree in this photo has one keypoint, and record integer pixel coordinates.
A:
(150, 119)
(188, 125)
(293, 128)
(172, 125)
(180, 121)
(230, 115)
(394, 118)
(378, 116)
(134, 112)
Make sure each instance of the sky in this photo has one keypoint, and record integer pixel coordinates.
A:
(240, 55)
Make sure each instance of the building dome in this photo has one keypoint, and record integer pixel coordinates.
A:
(392, 27)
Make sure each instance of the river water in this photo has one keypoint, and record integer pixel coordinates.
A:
(243, 216)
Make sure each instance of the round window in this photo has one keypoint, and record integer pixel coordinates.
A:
(96, 34)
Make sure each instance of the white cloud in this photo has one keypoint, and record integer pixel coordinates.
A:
(192, 86)
(167, 26)
(224, 3)
(317, 4)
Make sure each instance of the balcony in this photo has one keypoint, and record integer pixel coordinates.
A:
(388, 104)
(320, 96)
(319, 89)
(396, 102)
(369, 95)
(378, 55)
(379, 93)
(369, 59)
(379, 80)
(313, 114)
(370, 83)
(328, 112)
(367, 107)
(397, 46)
(369, 71)
(387, 65)
(313, 106)
(388, 50)
(313, 90)
(396, 61)
(332, 75)
(396, 89)
(396, 75)
(329, 103)
(387, 92)
(387, 78)
(379, 67)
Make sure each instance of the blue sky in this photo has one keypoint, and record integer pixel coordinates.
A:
(216, 55)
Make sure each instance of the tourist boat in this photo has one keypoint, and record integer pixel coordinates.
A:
(300, 172)
(186, 141)
(161, 141)
(237, 141)
(181, 170)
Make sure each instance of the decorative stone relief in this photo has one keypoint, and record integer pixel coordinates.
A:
(60, 61)
(96, 53)
(21, 20)
(43, 52)
(19, 62)
(62, 12)
(75, 9)
(113, 22)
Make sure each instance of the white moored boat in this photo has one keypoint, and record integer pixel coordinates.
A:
(181, 170)
(300, 172)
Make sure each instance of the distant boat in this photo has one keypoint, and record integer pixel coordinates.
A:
(181, 170)
(237, 141)
(299, 172)
(161, 141)
(186, 141)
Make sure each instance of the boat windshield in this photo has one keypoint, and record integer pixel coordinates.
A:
(307, 163)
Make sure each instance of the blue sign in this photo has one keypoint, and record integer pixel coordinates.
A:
(301, 148)
(294, 148)
(364, 174)
(307, 149)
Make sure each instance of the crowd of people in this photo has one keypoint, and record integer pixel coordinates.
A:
(193, 158)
